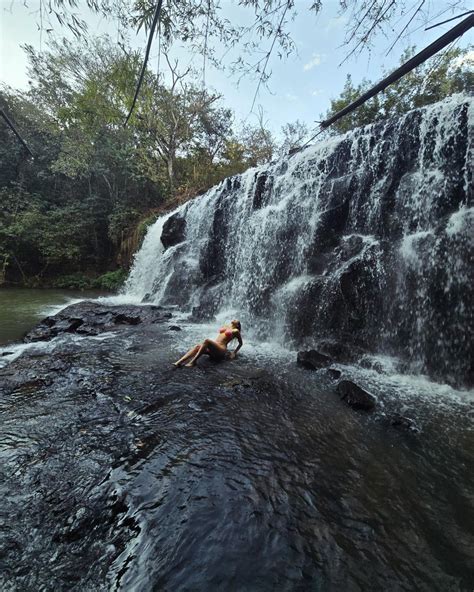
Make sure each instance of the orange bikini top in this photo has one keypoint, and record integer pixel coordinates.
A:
(227, 332)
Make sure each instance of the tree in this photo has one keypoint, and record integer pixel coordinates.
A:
(365, 114)
(294, 134)
(87, 179)
(181, 118)
(443, 75)
(203, 25)
(75, 206)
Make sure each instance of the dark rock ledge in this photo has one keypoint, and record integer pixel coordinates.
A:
(92, 318)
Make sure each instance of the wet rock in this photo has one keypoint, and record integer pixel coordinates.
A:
(334, 373)
(174, 328)
(213, 258)
(351, 246)
(258, 198)
(163, 317)
(371, 364)
(147, 297)
(208, 305)
(174, 231)
(59, 366)
(33, 384)
(194, 406)
(355, 396)
(404, 424)
(127, 319)
(312, 359)
(339, 351)
(233, 383)
(7, 353)
(91, 318)
(84, 461)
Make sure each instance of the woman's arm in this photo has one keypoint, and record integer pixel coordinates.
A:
(239, 338)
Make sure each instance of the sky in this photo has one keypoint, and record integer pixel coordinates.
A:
(301, 86)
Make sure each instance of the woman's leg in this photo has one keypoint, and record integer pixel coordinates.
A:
(208, 347)
(192, 352)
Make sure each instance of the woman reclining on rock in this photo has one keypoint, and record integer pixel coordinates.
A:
(215, 349)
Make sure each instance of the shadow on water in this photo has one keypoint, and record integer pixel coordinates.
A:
(123, 474)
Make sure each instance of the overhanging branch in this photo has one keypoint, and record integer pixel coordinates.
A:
(17, 134)
(415, 61)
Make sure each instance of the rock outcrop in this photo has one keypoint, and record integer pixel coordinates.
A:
(119, 471)
(355, 396)
(312, 359)
(174, 231)
(92, 318)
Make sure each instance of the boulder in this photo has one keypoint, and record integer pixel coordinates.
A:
(371, 364)
(334, 373)
(312, 359)
(174, 231)
(355, 396)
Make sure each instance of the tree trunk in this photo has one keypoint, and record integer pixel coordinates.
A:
(170, 164)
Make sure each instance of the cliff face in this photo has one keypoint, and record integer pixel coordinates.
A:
(363, 239)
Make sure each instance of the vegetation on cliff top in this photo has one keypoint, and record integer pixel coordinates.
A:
(81, 207)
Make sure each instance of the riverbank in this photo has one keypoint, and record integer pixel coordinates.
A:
(110, 281)
(22, 308)
(122, 473)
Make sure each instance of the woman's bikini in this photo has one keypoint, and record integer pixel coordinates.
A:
(227, 332)
(228, 335)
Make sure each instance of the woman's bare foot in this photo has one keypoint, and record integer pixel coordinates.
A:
(190, 364)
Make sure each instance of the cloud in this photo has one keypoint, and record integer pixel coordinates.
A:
(315, 60)
(317, 92)
(290, 97)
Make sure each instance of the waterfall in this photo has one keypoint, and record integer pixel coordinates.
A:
(365, 238)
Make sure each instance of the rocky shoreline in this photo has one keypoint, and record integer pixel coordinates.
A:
(121, 472)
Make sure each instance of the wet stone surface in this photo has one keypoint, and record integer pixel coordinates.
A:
(120, 472)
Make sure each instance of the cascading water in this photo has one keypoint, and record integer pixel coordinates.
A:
(364, 238)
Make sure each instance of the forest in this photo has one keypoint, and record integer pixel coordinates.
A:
(73, 215)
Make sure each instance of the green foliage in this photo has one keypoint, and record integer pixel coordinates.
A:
(143, 226)
(73, 211)
(69, 209)
(111, 281)
(434, 80)
(73, 281)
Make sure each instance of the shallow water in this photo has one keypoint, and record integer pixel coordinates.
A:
(250, 475)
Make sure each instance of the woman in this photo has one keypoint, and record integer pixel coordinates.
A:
(216, 349)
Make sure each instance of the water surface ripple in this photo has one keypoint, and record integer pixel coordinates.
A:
(121, 474)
